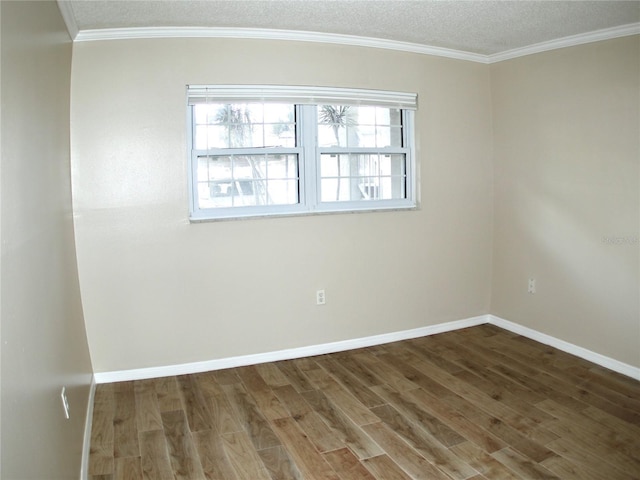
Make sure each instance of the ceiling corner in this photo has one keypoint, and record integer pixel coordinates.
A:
(570, 41)
(69, 17)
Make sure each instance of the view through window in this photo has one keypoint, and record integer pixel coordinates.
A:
(270, 158)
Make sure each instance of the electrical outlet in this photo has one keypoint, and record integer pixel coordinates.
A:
(65, 402)
(321, 299)
(532, 286)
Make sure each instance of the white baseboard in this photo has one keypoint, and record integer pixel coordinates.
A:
(86, 444)
(598, 359)
(309, 351)
(218, 364)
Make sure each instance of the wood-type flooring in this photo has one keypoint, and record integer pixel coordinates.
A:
(478, 403)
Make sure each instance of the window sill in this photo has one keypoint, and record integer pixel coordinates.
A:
(306, 213)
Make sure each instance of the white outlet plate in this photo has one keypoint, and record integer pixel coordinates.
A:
(65, 402)
(321, 299)
(532, 286)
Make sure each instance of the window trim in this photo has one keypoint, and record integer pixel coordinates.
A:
(306, 148)
(301, 95)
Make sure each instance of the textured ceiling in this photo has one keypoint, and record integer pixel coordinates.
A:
(481, 27)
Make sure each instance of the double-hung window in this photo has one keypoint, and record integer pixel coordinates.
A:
(269, 150)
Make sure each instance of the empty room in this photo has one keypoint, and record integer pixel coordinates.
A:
(304, 239)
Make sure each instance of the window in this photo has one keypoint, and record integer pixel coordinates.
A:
(292, 150)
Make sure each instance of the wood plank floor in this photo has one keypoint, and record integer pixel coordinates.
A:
(479, 403)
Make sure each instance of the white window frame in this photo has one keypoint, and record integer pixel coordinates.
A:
(305, 100)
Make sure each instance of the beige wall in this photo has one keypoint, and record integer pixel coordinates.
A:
(44, 343)
(160, 291)
(567, 206)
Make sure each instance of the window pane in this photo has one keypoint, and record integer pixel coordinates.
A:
(355, 177)
(329, 165)
(283, 192)
(243, 180)
(351, 126)
(332, 123)
(244, 125)
(210, 136)
(334, 190)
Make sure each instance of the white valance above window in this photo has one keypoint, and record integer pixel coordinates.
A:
(305, 95)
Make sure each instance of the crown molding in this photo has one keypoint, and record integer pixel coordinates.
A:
(69, 18)
(337, 39)
(268, 34)
(571, 41)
